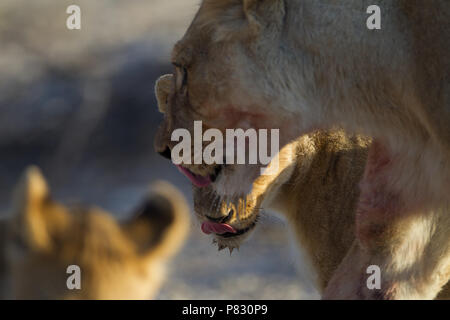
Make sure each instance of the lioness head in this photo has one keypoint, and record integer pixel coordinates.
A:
(226, 68)
(116, 260)
(227, 74)
(227, 197)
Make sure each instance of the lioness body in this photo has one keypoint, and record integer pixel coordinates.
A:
(315, 189)
(301, 65)
(320, 197)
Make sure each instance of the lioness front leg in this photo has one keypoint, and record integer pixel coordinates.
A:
(401, 276)
(406, 238)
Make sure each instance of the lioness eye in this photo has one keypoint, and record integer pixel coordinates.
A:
(181, 76)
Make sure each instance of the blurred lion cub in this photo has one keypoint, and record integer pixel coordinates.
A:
(117, 260)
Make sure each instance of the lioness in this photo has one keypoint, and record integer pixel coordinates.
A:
(302, 65)
(315, 189)
(117, 260)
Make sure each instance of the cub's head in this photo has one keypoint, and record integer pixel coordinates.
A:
(231, 219)
(229, 73)
(49, 245)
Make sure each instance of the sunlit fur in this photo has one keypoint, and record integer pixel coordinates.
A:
(315, 188)
(118, 260)
(302, 65)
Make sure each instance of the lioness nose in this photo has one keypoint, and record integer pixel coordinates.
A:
(166, 153)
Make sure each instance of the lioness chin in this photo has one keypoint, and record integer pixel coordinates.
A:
(41, 238)
(301, 65)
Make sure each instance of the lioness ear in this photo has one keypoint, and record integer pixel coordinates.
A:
(162, 90)
(28, 222)
(160, 224)
(261, 13)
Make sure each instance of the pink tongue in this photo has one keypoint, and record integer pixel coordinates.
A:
(218, 228)
(197, 180)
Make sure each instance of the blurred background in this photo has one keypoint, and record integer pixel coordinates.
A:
(80, 104)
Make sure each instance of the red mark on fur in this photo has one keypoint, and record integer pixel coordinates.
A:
(378, 205)
(390, 291)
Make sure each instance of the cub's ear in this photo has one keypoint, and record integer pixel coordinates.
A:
(34, 216)
(160, 224)
(262, 13)
(163, 87)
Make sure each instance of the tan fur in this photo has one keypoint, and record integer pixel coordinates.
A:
(315, 190)
(306, 65)
(118, 260)
(310, 199)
